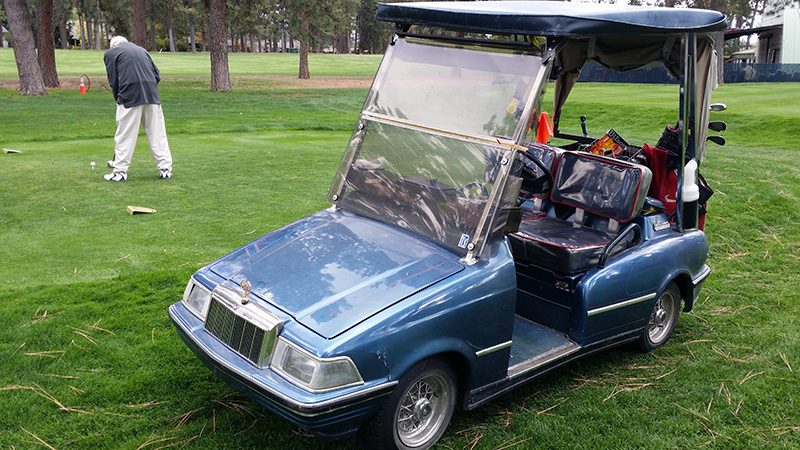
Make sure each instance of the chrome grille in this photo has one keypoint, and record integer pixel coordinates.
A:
(237, 333)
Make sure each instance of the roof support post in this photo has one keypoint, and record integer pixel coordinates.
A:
(686, 212)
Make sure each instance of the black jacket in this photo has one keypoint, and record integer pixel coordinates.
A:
(132, 74)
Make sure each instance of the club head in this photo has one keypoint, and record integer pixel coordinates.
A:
(718, 107)
(717, 125)
(719, 140)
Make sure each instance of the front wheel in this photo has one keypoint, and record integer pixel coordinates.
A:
(662, 319)
(417, 413)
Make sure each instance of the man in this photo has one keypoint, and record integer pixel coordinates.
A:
(134, 82)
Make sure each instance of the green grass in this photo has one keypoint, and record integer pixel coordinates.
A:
(195, 68)
(85, 280)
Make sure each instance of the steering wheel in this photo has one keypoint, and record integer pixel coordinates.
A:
(534, 181)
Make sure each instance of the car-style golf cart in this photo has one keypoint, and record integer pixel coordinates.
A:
(463, 255)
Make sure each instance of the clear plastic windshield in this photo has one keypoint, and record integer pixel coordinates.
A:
(459, 89)
(427, 155)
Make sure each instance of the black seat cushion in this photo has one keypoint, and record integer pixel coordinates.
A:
(558, 245)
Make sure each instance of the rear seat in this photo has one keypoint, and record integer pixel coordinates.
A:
(605, 193)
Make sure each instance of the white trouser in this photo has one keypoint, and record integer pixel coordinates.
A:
(128, 120)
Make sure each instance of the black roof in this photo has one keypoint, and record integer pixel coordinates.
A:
(552, 18)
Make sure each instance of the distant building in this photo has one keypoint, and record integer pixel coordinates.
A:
(791, 34)
(778, 38)
(3, 32)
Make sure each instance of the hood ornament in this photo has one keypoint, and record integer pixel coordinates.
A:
(247, 288)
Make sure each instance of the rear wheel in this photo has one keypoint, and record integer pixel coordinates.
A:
(662, 319)
(417, 413)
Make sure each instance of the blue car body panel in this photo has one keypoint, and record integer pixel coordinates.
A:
(457, 310)
(461, 311)
(331, 270)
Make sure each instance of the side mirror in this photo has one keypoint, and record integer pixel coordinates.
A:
(717, 126)
(719, 140)
(718, 107)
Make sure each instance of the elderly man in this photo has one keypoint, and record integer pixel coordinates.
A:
(134, 81)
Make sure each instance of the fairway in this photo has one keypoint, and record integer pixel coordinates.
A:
(89, 358)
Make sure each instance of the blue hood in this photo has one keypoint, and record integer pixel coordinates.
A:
(332, 270)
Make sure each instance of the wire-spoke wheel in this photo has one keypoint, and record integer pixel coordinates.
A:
(662, 319)
(417, 413)
(424, 409)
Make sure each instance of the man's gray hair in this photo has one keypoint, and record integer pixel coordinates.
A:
(116, 40)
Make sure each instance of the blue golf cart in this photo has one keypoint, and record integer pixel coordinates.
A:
(463, 254)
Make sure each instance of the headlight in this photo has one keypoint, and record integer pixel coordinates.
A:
(196, 298)
(312, 373)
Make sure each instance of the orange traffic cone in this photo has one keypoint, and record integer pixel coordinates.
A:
(83, 87)
(544, 129)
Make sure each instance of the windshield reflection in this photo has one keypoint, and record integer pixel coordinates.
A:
(432, 185)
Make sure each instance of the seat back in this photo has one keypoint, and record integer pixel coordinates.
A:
(600, 185)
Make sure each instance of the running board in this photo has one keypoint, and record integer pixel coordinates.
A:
(541, 360)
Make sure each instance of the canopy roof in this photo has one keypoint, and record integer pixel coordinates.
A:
(551, 18)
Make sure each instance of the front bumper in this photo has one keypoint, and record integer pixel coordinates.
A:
(329, 415)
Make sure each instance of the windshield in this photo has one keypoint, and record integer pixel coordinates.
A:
(427, 155)
(464, 90)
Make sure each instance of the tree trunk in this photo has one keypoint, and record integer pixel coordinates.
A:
(192, 43)
(89, 33)
(45, 45)
(153, 43)
(62, 26)
(81, 23)
(342, 43)
(170, 29)
(304, 74)
(203, 37)
(220, 77)
(139, 23)
(98, 35)
(30, 74)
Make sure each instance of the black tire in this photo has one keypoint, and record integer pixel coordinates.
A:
(417, 413)
(662, 319)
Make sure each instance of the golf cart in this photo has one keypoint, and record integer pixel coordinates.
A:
(463, 255)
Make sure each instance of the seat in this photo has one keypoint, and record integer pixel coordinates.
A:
(605, 193)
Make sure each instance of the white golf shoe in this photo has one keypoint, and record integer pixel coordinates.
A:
(165, 174)
(116, 176)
